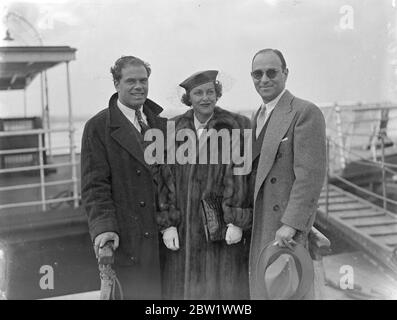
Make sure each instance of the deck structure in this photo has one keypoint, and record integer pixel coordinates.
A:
(360, 222)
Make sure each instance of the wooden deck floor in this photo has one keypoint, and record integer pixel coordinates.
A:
(371, 281)
(358, 221)
(362, 223)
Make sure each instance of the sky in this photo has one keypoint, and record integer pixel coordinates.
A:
(336, 50)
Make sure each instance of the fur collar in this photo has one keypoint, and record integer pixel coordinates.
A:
(222, 119)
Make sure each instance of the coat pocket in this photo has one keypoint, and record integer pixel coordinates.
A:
(285, 147)
(122, 258)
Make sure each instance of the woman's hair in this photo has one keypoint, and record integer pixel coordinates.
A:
(218, 91)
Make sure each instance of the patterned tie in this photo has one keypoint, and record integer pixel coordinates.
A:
(144, 126)
(260, 121)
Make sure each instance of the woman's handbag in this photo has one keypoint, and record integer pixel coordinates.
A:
(212, 215)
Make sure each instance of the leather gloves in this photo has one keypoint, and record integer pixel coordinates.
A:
(233, 234)
(170, 238)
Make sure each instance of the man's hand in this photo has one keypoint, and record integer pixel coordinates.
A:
(102, 238)
(233, 234)
(170, 238)
(284, 237)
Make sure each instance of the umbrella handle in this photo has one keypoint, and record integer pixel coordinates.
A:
(108, 276)
(106, 253)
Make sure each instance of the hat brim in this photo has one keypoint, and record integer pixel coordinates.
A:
(199, 78)
(304, 265)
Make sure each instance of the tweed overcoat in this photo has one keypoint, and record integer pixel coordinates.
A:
(118, 195)
(290, 175)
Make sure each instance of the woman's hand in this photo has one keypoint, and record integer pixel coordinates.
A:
(170, 238)
(233, 234)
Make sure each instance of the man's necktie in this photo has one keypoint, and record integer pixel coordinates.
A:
(260, 121)
(144, 126)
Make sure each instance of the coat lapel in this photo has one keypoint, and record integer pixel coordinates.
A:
(278, 125)
(254, 117)
(152, 110)
(124, 133)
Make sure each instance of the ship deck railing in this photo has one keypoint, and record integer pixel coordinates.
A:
(361, 215)
(27, 185)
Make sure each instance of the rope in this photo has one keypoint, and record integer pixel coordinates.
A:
(364, 190)
(118, 284)
(346, 134)
(109, 278)
(367, 162)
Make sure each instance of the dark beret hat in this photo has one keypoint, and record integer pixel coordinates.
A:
(199, 78)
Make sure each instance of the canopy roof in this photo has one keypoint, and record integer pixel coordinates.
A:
(20, 65)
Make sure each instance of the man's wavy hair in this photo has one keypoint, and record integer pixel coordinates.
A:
(218, 91)
(127, 61)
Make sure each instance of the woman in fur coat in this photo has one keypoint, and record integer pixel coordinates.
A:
(194, 267)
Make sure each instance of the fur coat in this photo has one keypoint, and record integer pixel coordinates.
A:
(201, 269)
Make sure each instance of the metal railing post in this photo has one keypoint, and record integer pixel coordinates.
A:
(327, 180)
(71, 139)
(374, 141)
(340, 136)
(42, 177)
(384, 191)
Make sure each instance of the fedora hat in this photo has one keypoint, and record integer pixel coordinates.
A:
(283, 273)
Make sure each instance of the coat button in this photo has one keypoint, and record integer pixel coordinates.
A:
(138, 172)
(276, 207)
(142, 204)
(273, 180)
(133, 259)
(146, 234)
(135, 218)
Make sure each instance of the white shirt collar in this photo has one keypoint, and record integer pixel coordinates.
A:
(198, 125)
(272, 104)
(130, 114)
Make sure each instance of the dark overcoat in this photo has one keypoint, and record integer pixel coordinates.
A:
(201, 269)
(118, 195)
(290, 175)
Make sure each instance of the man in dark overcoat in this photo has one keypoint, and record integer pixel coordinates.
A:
(289, 162)
(118, 191)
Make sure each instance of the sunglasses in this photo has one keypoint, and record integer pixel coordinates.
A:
(270, 73)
